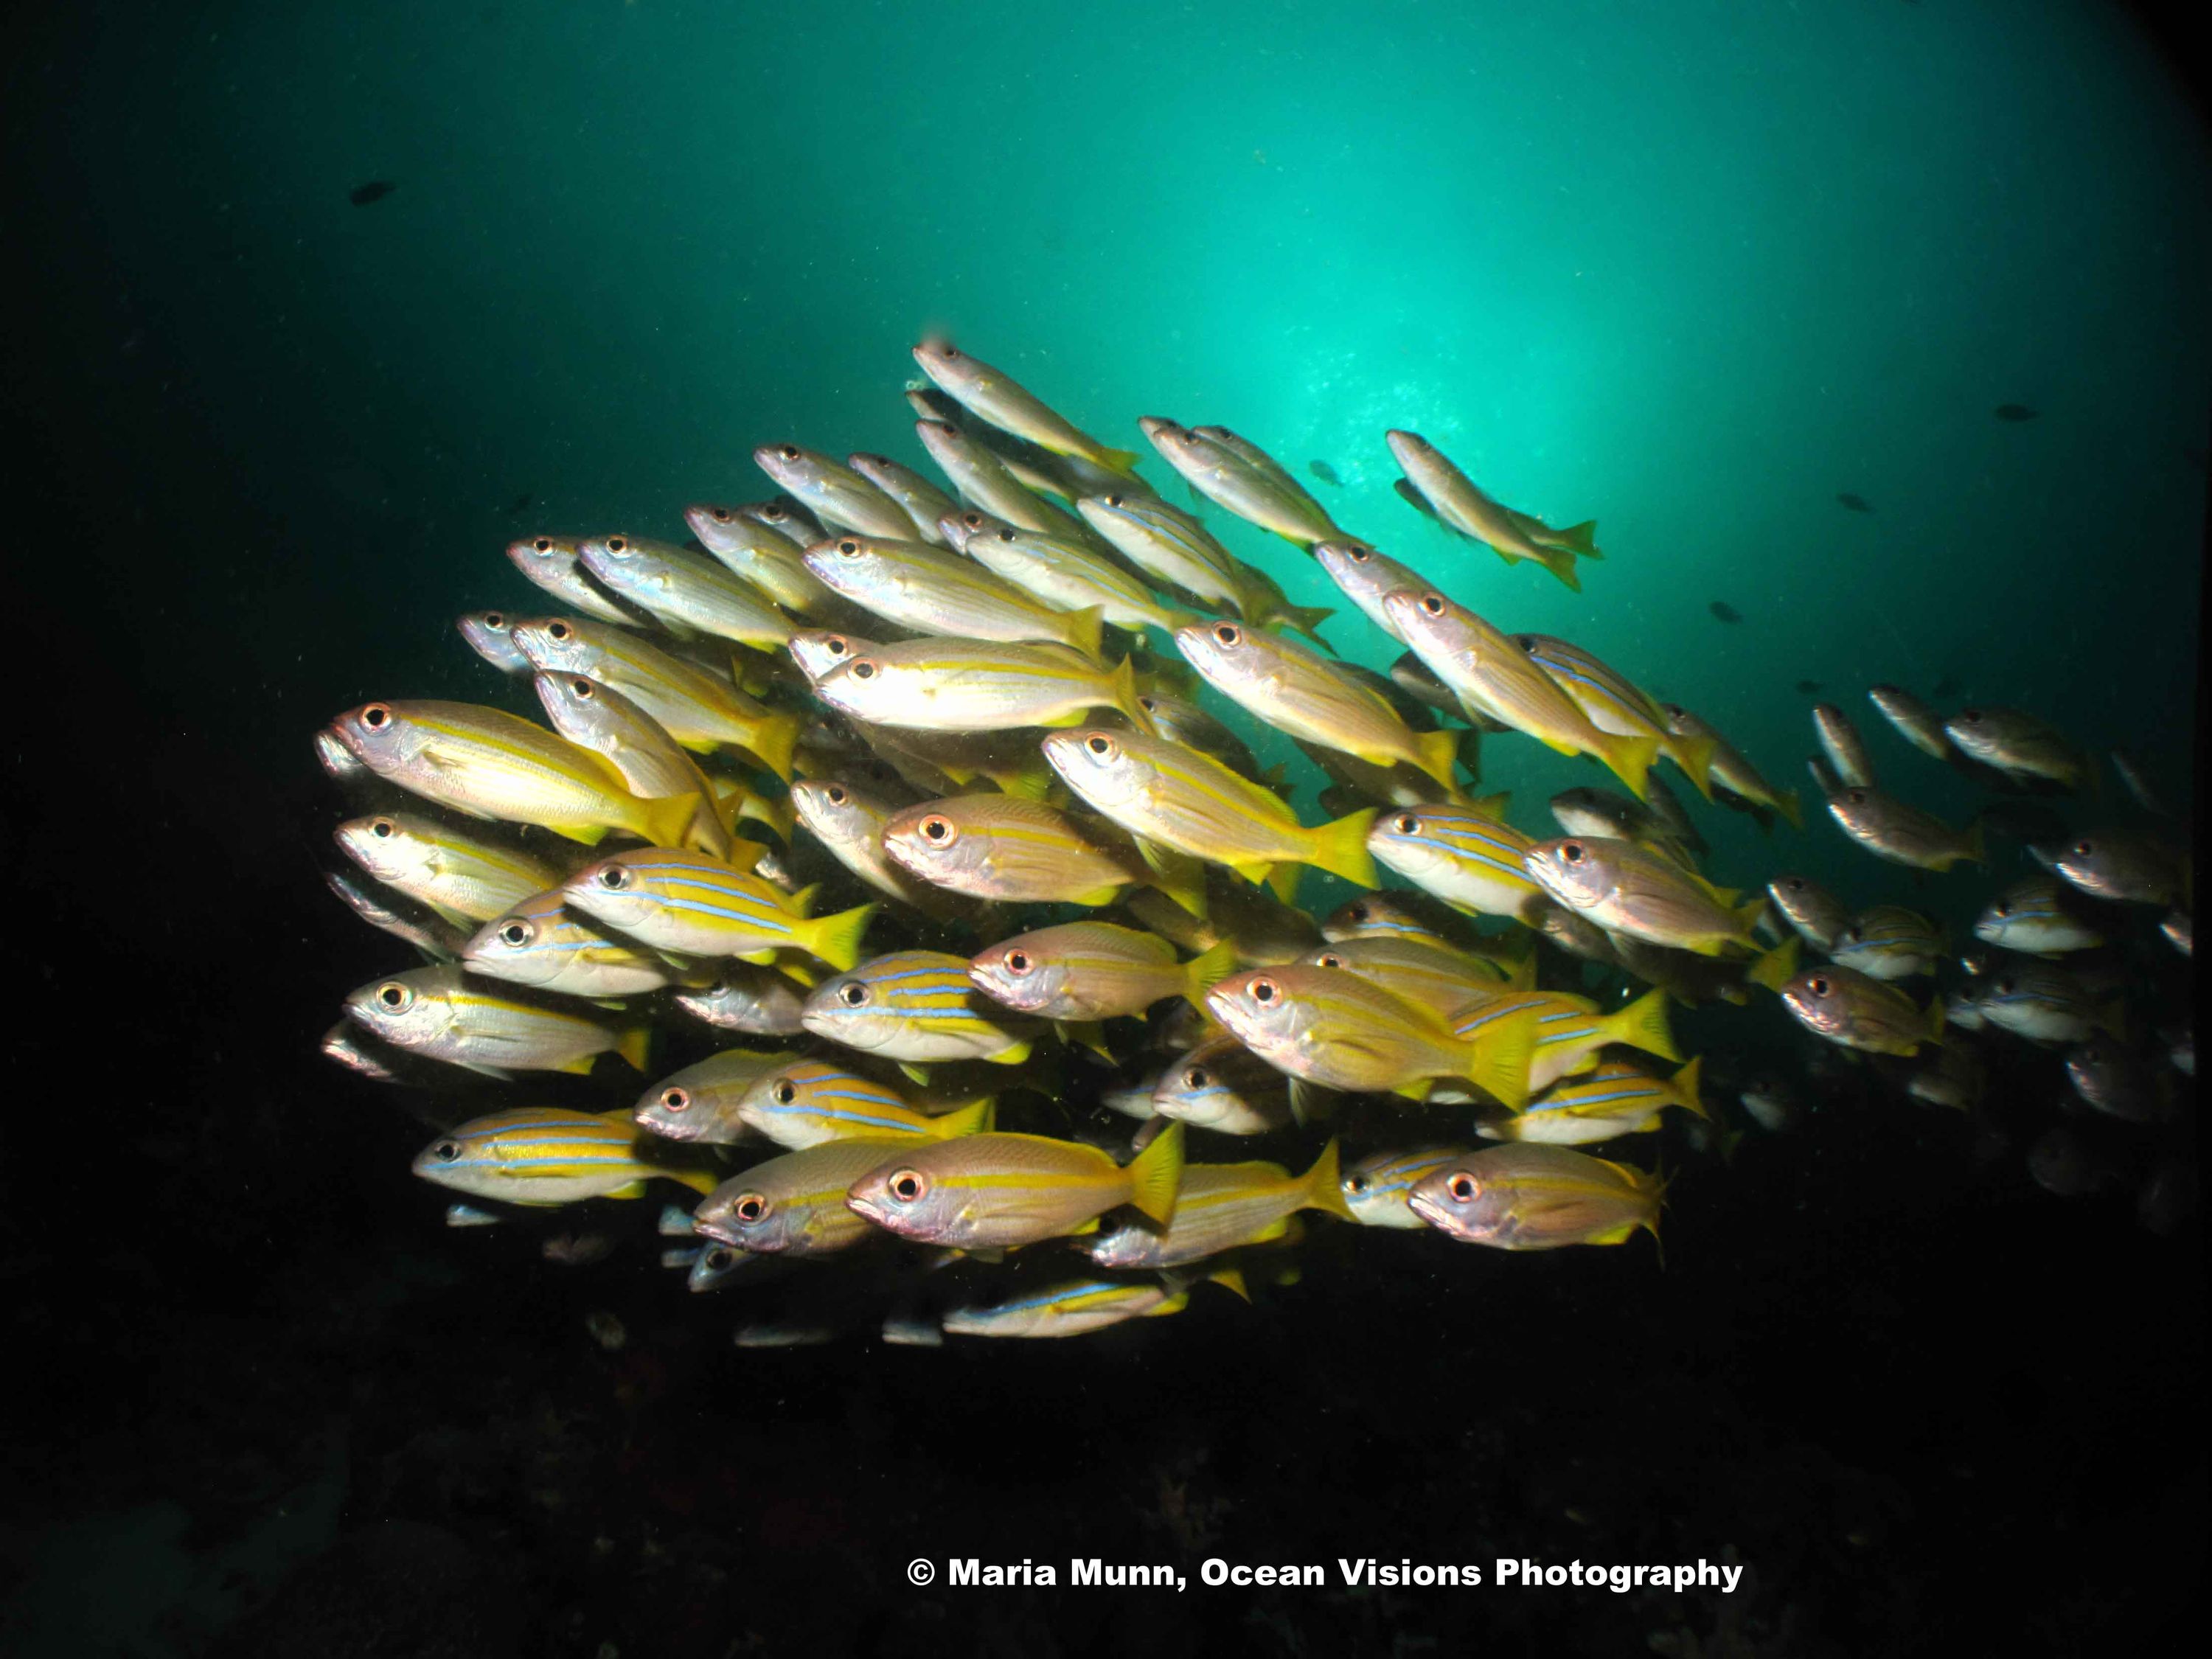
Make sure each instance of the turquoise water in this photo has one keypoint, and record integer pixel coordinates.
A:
(1691, 270)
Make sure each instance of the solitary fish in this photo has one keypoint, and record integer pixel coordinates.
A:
(1609, 1100)
(1854, 503)
(769, 560)
(1723, 611)
(1326, 473)
(1071, 576)
(746, 997)
(374, 191)
(1230, 480)
(541, 1154)
(554, 563)
(2115, 864)
(1889, 942)
(805, 1102)
(652, 764)
(998, 1191)
(2035, 917)
(998, 847)
(1616, 704)
(1569, 1030)
(923, 502)
(486, 631)
(1737, 781)
(1841, 743)
(2044, 1003)
(1467, 857)
(1071, 1308)
(1448, 495)
(1222, 1086)
(1538, 1198)
(685, 592)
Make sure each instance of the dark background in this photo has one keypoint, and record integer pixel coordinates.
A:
(1933, 1408)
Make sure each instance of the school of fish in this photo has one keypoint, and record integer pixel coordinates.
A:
(901, 795)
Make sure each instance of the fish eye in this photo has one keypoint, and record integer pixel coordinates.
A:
(1149, 705)
(1228, 633)
(376, 717)
(1526, 642)
(558, 630)
(1196, 1078)
(543, 544)
(2082, 848)
(837, 645)
(973, 520)
(951, 351)
(1433, 603)
(383, 829)
(789, 452)
(848, 548)
(835, 794)
(1818, 985)
(1856, 797)
(1795, 883)
(749, 1206)
(493, 619)
(2000, 909)
(1018, 962)
(1571, 851)
(1264, 991)
(1099, 744)
(1009, 534)
(907, 1185)
(1358, 554)
(719, 514)
(516, 932)
(1463, 1187)
(614, 877)
(1406, 824)
(446, 1151)
(677, 1099)
(394, 995)
(1113, 500)
(863, 669)
(1356, 914)
(582, 688)
(1359, 1183)
(617, 544)
(853, 993)
(938, 831)
(784, 1093)
(1329, 960)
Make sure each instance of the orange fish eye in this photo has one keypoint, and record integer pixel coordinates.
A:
(1100, 744)
(1359, 555)
(1330, 960)
(676, 1100)
(789, 452)
(558, 630)
(1195, 1078)
(617, 544)
(1113, 500)
(493, 619)
(1018, 962)
(383, 829)
(2082, 849)
(614, 877)
(785, 1093)
(2001, 910)
(1359, 1183)
(848, 548)
(749, 1206)
(1227, 633)
(1264, 991)
(835, 794)
(1571, 851)
(719, 514)
(1406, 824)
(908, 1186)
(1463, 1187)
(543, 544)
(376, 717)
(853, 993)
(582, 688)
(1817, 985)
(1433, 603)
(938, 831)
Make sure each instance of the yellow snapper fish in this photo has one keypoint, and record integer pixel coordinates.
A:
(1220, 1085)
(1736, 779)
(1075, 1307)
(1855, 1011)
(848, 820)
(1611, 1100)
(1818, 914)
(1169, 545)
(917, 1007)
(1901, 833)
(551, 564)
(794, 1205)
(1024, 851)
(1377, 1188)
(922, 502)
(998, 1191)
(438, 939)
(806, 1103)
(745, 997)
(1339, 1030)
(1434, 976)
(1464, 855)
(1538, 1198)
(1568, 1032)
(1449, 496)
(1627, 889)
(701, 1103)
(686, 593)
(1175, 797)
(1840, 742)
(441, 1013)
(486, 632)
(459, 876)
(1493, 675)
(1616, 704)
(2020, 746)
(1890, 942)
(542, 1155)
(993, 395)
(984, 480)
(2036, 918)
(652, 764)
(696, 905)
(770, 561)
(832, 491)
(1082, 971)
(1071, 576)
(488, 764)
(1229, 480)
(1913, 721)
(1220, 1206)
(541, 943)
(1298, 693)
(977, 685)
(932, 590)
(700, 710)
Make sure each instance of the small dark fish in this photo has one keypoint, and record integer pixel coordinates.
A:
(1325, 472)
(2015, 412)
(1725, 611)
(521, 504)
(1811, 687)
(374, 191)
(1855, 504)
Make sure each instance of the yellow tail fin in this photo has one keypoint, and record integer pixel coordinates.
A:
(836, 939)
(1283, 880)
(1695, 757)
(1122, 681)
(634, 1046)
(1777, 967)
(1323, 1185)
(1085, 630)
(1439, 755)
(1786, 804)
(1686, 1087)
(1340, 848)
(1629, 759)
(973, 1119)
(1123, 461)
(1208, 968)
(1156, 1175)
(1499, 1064)
(1561, 563)
(1643, 1024)
(774, 741)
(668, 820)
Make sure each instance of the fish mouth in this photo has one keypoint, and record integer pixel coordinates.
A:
(1427, 1208)
(874, 1209)
(719, 1231)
